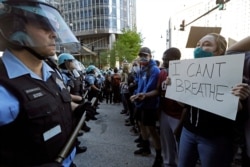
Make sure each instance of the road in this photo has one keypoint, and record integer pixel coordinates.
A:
(109, 142)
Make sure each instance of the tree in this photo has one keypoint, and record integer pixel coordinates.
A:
(126, 47)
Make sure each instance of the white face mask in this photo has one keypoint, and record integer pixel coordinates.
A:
(136, 69)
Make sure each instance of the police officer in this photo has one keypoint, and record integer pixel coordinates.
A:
(71, 76)
(74, 83)
(92, 82)
(36, 111)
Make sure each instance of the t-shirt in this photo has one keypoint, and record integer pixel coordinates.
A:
(170, 107)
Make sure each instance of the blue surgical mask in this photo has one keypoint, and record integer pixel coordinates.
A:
(199, 53)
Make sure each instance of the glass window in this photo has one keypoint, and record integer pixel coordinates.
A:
(77, 15)
(114, 11)
(106, 23)
(98, 11)
(113, 25)
(69, 6)
(86, 14)
(82, 14)
(81, 3)
(78, 26)
(94, 12)
(90, 13)
(101, 23)
(90, 25)
(86, 25)
(106, 11)
(82, 25)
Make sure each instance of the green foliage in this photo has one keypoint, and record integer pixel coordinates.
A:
(126, 47)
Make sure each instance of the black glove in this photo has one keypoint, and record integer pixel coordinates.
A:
(52, 164)
(80, 109)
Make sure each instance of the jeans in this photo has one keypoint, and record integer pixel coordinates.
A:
(169, 145)
(212, 152)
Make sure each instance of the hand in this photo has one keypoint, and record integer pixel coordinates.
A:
(141, 96)
(168, 81)
(52, 164)
(80, 109)
(133, 98)
(241, 90)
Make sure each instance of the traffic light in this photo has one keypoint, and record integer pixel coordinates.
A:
(182, 26)
(220, 3)
(93, 48)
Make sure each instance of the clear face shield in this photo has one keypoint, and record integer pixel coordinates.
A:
(15, 16)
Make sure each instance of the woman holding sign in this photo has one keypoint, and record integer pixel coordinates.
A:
(207, 136)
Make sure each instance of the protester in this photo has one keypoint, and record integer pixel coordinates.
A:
(146, 109)
(108, 88)
(124, 88)
(37, 116)
(207, 136)
(243, 46)
(115, 82)
(170, 111)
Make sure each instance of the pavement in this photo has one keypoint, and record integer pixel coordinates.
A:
(109, 142)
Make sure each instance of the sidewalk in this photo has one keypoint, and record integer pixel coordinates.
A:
(109, 142)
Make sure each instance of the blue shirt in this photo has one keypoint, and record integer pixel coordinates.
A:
(9, 105)
(147, 81)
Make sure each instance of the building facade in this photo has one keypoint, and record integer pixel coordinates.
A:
(96, 23)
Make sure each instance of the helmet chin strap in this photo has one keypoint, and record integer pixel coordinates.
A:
(37, 55)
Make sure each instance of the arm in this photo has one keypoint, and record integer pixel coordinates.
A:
(76, 98)
(241, 46)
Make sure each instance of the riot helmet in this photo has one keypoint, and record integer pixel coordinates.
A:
(63, 58)
(16, 14)
(91, 69)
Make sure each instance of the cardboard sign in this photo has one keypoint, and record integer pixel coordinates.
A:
(206, 83)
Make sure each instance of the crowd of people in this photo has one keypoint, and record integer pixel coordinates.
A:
(43, 100)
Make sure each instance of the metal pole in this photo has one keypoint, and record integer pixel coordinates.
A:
(65, 151)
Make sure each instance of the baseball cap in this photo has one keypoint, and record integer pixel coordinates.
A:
(145, 51)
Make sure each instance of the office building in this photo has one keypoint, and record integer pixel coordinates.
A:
(96, 23)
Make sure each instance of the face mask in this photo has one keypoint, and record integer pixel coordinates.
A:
(136, 69)
(199, 53)
(144, 61)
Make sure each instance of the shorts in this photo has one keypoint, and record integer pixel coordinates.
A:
(147, 116)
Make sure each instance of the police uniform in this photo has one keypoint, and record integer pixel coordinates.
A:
(35, 115)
